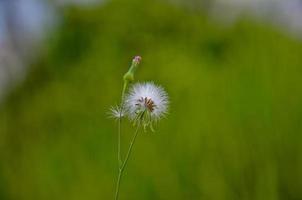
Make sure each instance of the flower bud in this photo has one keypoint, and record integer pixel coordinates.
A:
(129, 76)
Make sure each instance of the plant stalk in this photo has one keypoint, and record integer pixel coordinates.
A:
(122, 167)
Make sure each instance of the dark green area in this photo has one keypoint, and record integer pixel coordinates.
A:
(235, 123)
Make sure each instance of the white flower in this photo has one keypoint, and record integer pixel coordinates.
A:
(146, 102)
(116, 112)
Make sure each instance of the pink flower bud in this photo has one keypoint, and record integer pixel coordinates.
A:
(137, 59)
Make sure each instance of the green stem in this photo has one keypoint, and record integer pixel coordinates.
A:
(119, 142)
(122, 167)
(120, 125)
(124, 90)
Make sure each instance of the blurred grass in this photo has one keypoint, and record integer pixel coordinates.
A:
(234, 129)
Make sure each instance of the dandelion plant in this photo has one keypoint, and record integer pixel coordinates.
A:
(143, 105)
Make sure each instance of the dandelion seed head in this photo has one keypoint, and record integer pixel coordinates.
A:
(116, 112)
(146, 101)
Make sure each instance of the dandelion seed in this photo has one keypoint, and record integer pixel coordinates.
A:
(146, 103)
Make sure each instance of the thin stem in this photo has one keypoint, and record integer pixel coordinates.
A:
(122, 167)
(124, 90)
(120, 125)
(118, 185)
(119, 142)
(130, 149)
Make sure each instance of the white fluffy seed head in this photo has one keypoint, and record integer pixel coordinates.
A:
(116, 112)
(148, 100)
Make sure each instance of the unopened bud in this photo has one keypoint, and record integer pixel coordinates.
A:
(137, 59)
(129, 76)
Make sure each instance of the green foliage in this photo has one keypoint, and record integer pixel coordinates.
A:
(234, 128)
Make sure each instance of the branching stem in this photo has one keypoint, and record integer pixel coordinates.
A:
(123, 165)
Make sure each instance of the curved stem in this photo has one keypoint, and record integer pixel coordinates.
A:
(122, 167)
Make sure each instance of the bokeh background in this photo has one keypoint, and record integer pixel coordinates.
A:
(233, 72)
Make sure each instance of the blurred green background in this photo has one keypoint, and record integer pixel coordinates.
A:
(235, 122)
